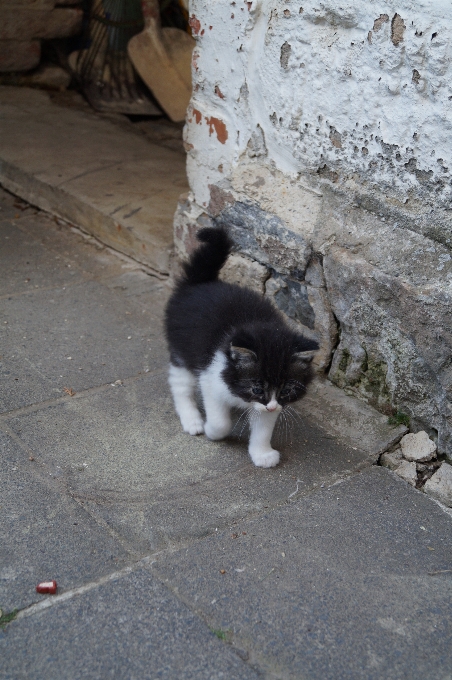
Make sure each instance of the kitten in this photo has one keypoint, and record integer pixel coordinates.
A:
(237, 346)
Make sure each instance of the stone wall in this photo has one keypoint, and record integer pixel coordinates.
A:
(24, 23)
(320, 134)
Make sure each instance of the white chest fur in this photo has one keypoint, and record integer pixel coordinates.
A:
(218, 401)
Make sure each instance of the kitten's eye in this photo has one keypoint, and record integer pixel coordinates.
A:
(258, 391)
(286, 391)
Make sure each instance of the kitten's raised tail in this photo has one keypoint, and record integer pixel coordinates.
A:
(205, 263)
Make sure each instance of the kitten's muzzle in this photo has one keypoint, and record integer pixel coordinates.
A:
(273, 405)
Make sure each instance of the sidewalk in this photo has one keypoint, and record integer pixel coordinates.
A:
(175, 557)
(136, 521)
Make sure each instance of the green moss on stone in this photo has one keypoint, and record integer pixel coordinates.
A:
(399, 418)
(345, 360)
(7, 618)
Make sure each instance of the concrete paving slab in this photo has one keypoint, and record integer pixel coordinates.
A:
(346, 583)
(46, 276)
(76, 249)
(78, 337)
(44, 534)
(71, 245)
(337, 574)
(131, 628)
(100, 176)
(25, 264)
(157, 485)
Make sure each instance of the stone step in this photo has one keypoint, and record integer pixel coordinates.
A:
(95, 174)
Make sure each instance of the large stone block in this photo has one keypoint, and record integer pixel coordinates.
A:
(26, 24)
(396, 337)
(264, 237)
(19, 55)
(33, 4)
(291, 296)
(439, 486)
(306, 304)
(244, 272)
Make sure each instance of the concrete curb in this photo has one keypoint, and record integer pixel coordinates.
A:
(351, 421)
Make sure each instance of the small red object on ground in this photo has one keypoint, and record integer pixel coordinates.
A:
(47, 587)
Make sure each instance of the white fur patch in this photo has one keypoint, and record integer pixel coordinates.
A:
(183, 383)
(218, 401)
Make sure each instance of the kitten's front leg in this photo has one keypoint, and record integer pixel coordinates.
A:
(218, 423)
(218, 412)
(262, 425)
(183, 384)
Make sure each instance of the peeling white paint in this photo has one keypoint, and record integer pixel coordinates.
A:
(343, 96)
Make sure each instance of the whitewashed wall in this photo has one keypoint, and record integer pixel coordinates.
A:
(327, 85)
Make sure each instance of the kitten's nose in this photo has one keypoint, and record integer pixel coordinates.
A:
(272, 405)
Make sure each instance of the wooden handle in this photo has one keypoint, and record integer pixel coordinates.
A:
(151, 13)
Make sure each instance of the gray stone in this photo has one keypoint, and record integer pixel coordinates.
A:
(350, 420)
(336, 585)
(131, 627)
(308, 307)
(418, 447)
(291, 297)
(389, 289)
(264, 237)
(407, 471)
(391, 460)
(439, 486)
(244, 272)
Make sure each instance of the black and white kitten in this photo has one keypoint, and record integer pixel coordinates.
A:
(237, 346)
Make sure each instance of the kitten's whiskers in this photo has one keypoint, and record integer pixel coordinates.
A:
(296, 417)
(244, 419)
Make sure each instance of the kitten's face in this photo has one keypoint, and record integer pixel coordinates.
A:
(268, 383)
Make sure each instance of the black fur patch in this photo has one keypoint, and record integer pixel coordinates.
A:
(205, 315)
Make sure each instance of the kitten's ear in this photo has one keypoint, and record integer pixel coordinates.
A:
(303, 357)
(304, 350)
(243, 355)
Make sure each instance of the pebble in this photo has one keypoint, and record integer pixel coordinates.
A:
(418, 447)
(439, 486)
(408, 472)
(392, 460)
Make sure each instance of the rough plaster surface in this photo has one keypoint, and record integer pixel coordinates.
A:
(324, 84)
(322, 131)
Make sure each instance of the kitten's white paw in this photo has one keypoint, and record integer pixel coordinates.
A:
(216, 432)
(195, 426)
(265, 459)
